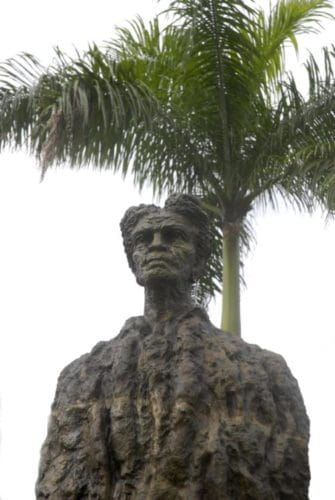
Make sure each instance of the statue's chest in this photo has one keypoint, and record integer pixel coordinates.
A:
(171, 392)
(153, 384)
(185, 409)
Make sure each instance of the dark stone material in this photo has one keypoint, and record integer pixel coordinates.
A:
(173, 408)
(182, 411)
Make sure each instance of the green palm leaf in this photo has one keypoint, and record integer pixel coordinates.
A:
(201, 106)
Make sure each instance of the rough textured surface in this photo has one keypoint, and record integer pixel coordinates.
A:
(182, 411)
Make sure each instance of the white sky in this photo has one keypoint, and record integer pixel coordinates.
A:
(65, 284)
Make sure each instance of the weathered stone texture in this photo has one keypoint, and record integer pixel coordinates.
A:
(182, 411)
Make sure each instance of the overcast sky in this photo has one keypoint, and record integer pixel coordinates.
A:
(65, 284)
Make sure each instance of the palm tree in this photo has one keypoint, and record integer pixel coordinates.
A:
(201, 106)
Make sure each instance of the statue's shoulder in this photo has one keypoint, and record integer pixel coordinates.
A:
(255, 359)
(82, 377)
(238, 350)
(262, 369)
(273, 363)
(196, 322)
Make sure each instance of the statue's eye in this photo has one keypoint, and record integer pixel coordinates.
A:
(143, 237)
(171, 234)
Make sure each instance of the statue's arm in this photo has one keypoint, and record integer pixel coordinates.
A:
(74, 459)
(288, 443)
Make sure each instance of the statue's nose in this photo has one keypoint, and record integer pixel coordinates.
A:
(157, 241)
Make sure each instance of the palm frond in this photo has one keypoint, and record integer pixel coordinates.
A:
(272, 33)
(81, 110)
(201, 106)
(296, 154)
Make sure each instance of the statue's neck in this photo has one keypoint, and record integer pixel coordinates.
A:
(165, 301)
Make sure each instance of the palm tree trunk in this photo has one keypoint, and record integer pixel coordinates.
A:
(231, 319)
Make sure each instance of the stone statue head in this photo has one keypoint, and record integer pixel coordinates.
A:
(170, 244)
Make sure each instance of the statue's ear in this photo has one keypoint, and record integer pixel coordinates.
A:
(198, 270)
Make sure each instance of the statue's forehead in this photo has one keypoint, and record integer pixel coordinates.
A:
(160, 219)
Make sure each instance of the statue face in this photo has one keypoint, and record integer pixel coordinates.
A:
(164, 248)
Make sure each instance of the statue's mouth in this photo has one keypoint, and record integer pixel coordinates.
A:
(157, 260)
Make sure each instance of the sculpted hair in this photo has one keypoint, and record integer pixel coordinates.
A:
(184, 204)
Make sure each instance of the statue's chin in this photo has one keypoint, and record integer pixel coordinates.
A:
(157, 279)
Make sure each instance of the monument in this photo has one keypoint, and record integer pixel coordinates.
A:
(173, 408)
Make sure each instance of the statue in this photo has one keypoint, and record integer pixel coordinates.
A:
(173, 408)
